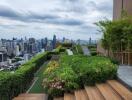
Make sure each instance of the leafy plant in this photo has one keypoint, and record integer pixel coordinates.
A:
(61, 79)
(12, 84)
(117, 34)
(78, 70)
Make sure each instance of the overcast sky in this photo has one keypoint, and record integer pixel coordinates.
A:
(43, 18)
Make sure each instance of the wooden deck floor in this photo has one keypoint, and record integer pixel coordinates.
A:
(111, 90)
(27, 96)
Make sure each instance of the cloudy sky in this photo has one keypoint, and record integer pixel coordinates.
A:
(42, 18)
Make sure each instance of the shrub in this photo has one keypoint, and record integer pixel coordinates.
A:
(74, 49)
(52, 65)
(80, 51)
(61, 79)
(11, 84)
(91, 69)
(92, 46)
(93, 49)
(62, 49)
(75, 71)
(93, 53)
(114, 61)
(97, 71)
(67, 45)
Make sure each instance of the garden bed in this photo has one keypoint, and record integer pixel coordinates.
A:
(73, 72)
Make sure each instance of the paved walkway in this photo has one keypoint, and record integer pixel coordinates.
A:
(86, 50)
(69, 52)
(125, 75)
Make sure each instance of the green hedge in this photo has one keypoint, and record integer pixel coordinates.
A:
(93, 49)
(59, 79)
(12, 84)
(76, 71)
(94, 53)
(94, 69)
(80, 51)
(67, 45)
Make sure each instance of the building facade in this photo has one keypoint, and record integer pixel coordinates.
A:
(121, 5)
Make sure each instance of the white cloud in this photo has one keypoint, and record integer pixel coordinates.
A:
(47, 17)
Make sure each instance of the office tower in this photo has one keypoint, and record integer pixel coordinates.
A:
(16, 51)
(25, 47)
(63, 39)
(38, 45)
(90, 40)
(54, 41)
(46, 42)
(3, 56)
(42, 43)
(32, 46)
(26, 57)
(121, 6)
(10, 46)
(0, 43)
(49, 46)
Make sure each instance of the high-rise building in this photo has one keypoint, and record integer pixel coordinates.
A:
(46, 42)
(16, 51)
(3, 56)
(32, 46)
(120, 6)
(63, 39)
(42, 43)
(90, 40)
(54, 41)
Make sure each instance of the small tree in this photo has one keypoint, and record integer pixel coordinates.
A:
(117, 34)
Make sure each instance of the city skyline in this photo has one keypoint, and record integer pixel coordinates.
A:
(70, 19)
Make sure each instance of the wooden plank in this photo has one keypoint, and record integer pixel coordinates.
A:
(68, 96)
(31, 95)
(81, 95)
(18, 98)
(60, 98)
(33, 98)
(93, 93)
(120, 89)
(27, 96)
(107, 92)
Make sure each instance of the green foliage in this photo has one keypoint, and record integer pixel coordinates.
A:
(74, 49)
(93, 69)
(16, 59)
(60, 79)
(117, 34)
(93, 49)
(62, 49)
(78, 70)
(67, 45)
(93, 53)
(114, 61)
(79, 48)
(11, 84)
(91, 46)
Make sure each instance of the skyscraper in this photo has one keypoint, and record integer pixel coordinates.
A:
(54, 41)
(45, 43)
(121, 5)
